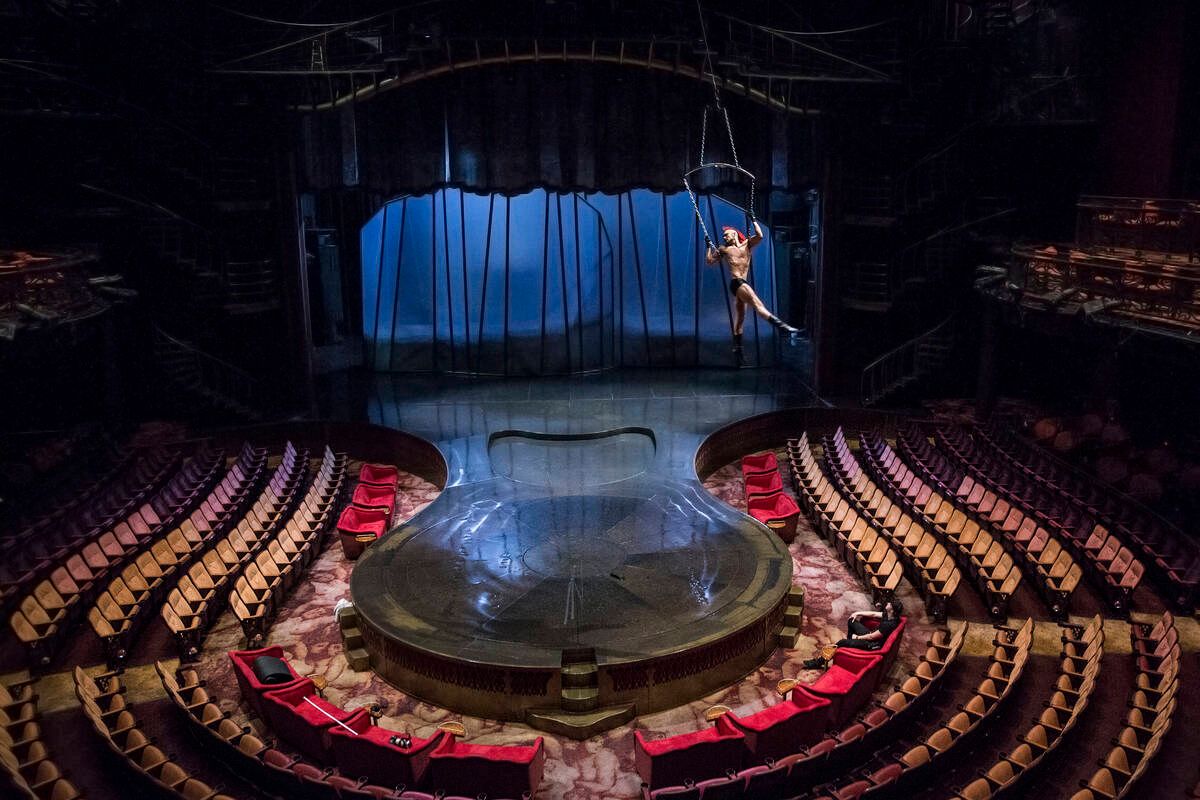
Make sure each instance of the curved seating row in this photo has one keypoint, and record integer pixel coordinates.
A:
(1010, 654)
(89, 474)
(28, 556)
(360, 749)
(198, 597)
(121, 608)
(766, 500)
(1079, 666)
(26, 769)
(1055, 573)
(1152, 705)
(41, 629)
(930, 569)
(246, 753)
(1173, 557)
(996, 574)
(871, 556)
(807, 763)
(263, 584)
(733, 743)
(104, 705)
(1113, 567)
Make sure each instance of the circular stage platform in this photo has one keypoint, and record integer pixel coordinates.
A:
(572, 580)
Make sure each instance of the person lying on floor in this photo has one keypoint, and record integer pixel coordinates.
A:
(859, 635)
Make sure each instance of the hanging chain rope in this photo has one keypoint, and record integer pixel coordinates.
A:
(704, 137)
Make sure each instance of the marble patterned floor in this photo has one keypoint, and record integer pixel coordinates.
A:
(601, 767)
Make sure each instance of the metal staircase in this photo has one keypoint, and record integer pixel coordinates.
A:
(905, 365)
(206, 378)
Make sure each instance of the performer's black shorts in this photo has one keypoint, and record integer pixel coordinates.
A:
(736, 284)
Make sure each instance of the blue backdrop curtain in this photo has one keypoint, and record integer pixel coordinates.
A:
(550, 283)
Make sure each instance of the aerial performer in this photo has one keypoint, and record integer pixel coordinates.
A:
(735, 251)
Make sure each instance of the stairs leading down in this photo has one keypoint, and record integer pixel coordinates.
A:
(912, 361)
(206, 378)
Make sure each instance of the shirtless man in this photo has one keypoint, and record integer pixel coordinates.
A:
(736, 252)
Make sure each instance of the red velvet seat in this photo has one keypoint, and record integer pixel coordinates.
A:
(759, 463)
(689, 757)
(782, 729)
(302, 719)
(358, 524)
(778, 512)
(460, 768)
(252, 688)
(366, 752)
(355, 520)
(891, 645)
(371, 496)
(848, 683)
(763, 483)
(379, 474)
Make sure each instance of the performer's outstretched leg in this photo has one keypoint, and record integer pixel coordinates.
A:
(739, 358)
(746, 295)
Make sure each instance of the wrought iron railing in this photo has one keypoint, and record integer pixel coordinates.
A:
(904, 364)
(218, 381)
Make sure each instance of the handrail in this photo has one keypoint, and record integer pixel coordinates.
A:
(217, 375)
(896, 363)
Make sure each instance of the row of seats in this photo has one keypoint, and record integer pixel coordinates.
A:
(1112, 566)
(1056, 574)
(996, 574)
(369, 514)
(351, 740)
(766, 500)
(91, 467)
(1079, 666)
(258, 592)
(931, 569)
(104, 705)
(30, 554)
(1152, 705)
(195, 602)
(1174, 556)
(246, 753)
(43, 618)
(121, 608)
(809, 763)
(870, 555)
(1010, 654)
(892, 775)
(734, 744)
(26, 768)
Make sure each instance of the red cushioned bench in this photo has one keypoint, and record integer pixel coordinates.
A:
(301, 718)
(848, 683)
(782, 729)
(471, 770)
(252, 688)
(763, 483)
(355, 522)
(762, 462)
(369, 495)
(379, 474)
(689, 757)
(777, 511)
(366, 751)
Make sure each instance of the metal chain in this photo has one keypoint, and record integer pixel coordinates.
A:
(696, 208)
(729, 130)
(703, 135)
